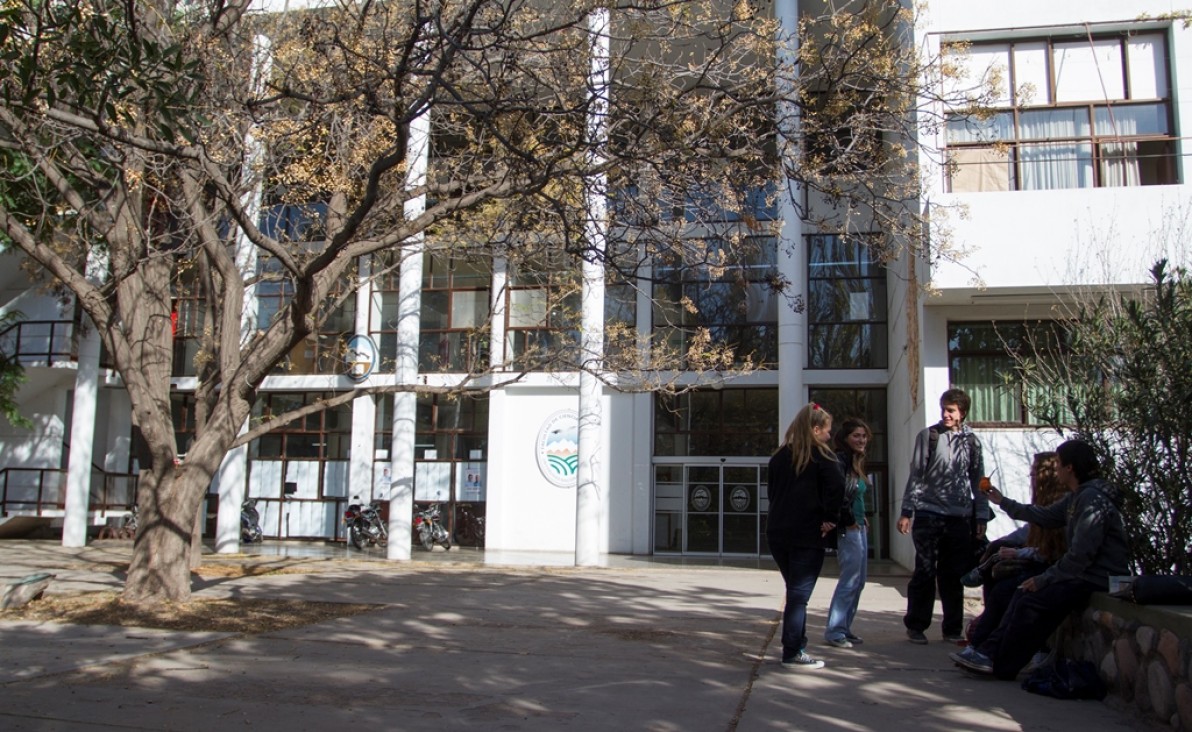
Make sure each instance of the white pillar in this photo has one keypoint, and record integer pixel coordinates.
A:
(405, 404)
(591, 500)
(364, 408)
(792, 250)
(232, 482)
(232, 475)
(82, 431)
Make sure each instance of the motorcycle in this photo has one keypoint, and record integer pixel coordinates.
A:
(365, 527)
(430, 528)
(250, 522)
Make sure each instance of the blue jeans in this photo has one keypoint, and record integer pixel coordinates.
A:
(800, 567)
(852, 552)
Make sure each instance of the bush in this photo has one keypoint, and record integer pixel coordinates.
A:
(1122, 381)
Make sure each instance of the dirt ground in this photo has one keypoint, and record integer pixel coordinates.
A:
(228, 615)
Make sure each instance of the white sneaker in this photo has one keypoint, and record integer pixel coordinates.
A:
(802, 662)
(840, 642)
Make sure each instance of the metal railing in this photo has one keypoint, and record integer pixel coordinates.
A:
(40, 342)
(34, 491)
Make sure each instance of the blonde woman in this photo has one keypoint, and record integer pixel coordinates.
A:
(806, 490)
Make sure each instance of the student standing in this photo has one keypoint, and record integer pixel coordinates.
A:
(805, 491)
(942, 509)
(852, 543)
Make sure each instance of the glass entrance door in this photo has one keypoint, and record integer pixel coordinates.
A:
(709, 509)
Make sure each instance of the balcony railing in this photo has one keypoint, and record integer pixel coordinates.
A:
(34, 491)
(40, 342)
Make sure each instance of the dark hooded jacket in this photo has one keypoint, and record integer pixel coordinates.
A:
(801, 502)
(1098, 546)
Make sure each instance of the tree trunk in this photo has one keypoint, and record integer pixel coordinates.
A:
(168, 502)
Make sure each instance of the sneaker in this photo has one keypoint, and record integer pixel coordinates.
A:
(802, 662)
(840, 642)
(957, 638)
(916, 637)
(973, 660)
(854, 639)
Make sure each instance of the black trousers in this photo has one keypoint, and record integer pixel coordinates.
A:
(1029, 621)
(943, 553)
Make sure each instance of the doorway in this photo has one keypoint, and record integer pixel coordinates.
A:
(710, 508)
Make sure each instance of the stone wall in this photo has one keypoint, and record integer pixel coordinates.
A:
(1144, 653)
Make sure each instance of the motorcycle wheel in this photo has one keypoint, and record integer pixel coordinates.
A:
(428, 543)
(358, 537)
(383, 538)
(447, 543)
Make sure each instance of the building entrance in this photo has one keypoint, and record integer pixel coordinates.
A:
(710, 508)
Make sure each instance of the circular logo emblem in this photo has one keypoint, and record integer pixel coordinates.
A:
(558, 448)
(701, 498)
(739, 498)
(361, 357)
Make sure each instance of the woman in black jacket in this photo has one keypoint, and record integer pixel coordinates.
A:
(805, 490)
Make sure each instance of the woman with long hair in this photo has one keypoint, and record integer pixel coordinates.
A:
(805, 491)
(852, 540)
(1023, 553)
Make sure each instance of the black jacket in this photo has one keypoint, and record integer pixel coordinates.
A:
(1098, 546)
(800, 503)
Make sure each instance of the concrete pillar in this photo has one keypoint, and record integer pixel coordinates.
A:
(592, 496)
(792, 250)
(82, 433)
(232, 480)
(405, 404)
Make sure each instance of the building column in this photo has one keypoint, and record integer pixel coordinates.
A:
(233, 471)
(232, 483)
(792, 250)
(592, 490)
(82, 432)
(405, 404)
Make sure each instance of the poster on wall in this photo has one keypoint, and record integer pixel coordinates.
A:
(470, 481)
(432, 482)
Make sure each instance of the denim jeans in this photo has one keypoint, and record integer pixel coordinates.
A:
(852, 552)
(800, 567)
(943, 553)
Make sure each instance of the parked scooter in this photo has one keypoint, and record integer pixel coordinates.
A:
(364, 525)
(430, 528)
(250, 522)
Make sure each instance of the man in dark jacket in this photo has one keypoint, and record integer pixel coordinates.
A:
(1097, 548)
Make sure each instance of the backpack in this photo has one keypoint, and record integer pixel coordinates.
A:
(974, 446)
(1067, 679)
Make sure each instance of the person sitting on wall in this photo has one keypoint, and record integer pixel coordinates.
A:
(1023, 553)
(1097, 549)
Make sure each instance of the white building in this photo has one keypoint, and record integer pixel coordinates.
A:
(1078, 180)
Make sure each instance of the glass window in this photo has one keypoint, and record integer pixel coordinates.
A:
(981, 360)
(708, 422)
(846, 305)
(322, 435)
(723, 289)
(1086, 112)
(454, 325)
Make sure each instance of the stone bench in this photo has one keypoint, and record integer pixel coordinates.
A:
(1144, 653)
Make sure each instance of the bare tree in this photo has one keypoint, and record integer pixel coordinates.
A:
(145, 136)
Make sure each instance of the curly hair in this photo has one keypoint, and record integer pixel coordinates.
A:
(1046, 489)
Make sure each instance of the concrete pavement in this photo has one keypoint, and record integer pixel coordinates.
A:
(467, 641)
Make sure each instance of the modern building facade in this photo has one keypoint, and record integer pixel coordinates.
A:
(1077, 180)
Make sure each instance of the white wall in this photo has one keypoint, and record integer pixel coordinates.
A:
(526, 512)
